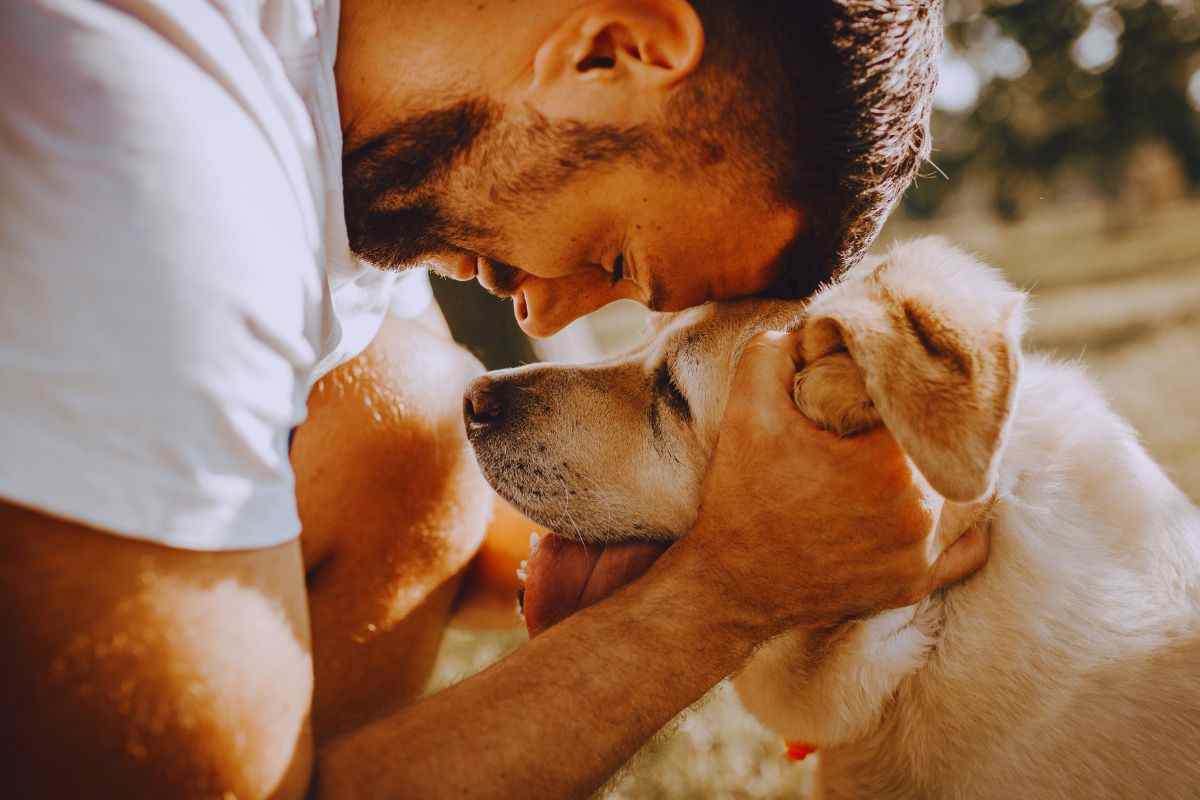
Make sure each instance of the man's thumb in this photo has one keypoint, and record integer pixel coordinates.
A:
(771, 358)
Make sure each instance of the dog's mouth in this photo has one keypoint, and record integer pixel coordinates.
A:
(565, 576)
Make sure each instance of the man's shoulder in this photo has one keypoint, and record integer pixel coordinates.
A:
(161, 292)
(124, 126)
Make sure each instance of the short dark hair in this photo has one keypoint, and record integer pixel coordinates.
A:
(829, 98)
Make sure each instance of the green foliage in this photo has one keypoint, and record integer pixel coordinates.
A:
(1062, 86)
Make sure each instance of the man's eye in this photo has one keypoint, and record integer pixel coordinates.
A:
(618, 270)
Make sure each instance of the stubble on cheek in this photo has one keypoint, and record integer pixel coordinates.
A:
(395, 187)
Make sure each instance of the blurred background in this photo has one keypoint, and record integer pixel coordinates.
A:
(1067, 152)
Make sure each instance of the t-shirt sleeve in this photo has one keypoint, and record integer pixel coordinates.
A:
(159, 290)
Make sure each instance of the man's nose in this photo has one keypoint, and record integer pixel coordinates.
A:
(486, 404)
(545, 306)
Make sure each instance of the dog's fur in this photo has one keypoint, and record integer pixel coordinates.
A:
(1068, 668)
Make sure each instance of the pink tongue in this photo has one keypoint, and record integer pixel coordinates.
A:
(564, 576)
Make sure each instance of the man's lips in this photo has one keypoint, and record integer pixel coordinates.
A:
(498, 278)
(564, 576)
(503, 280)
(458, 265)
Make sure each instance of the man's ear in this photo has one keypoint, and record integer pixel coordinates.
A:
(614, 60)
(936, 335)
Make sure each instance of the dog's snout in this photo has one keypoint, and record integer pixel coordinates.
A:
(484, 404)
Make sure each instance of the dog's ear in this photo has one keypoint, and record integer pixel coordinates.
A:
(936, 335)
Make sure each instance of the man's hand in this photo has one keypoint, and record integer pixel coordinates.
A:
(804, 528)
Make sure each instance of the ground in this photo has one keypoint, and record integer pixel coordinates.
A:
(1125, 303)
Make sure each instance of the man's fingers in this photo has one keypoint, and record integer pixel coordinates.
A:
(963, 557)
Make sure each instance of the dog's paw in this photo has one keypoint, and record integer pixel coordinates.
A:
(831, 392)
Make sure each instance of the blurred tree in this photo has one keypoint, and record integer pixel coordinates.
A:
(1033, 90)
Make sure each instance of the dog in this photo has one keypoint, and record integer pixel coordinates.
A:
(1068, 667)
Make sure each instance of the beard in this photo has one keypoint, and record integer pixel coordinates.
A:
(395, 213)
(400, 202)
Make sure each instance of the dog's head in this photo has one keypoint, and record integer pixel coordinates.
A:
(924, 341)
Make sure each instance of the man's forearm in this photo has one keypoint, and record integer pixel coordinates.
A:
(560, 715)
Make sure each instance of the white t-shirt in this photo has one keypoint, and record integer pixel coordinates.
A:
(174, 269)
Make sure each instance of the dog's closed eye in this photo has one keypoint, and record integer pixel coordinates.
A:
(666, 388)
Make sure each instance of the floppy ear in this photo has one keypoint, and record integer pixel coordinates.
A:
(936, 336)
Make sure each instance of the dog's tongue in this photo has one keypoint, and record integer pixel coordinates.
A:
(565, 576)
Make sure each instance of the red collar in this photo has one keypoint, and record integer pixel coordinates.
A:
(798, 751)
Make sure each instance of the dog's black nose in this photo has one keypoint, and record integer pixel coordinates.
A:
(483, 404)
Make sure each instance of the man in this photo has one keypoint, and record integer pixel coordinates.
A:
(181, 185)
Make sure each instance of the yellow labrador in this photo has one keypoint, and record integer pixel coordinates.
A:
(1068, 668)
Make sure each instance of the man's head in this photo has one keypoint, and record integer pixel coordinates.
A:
(574, 152)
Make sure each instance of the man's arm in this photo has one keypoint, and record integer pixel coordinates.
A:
(139, 670)
(561, 714)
